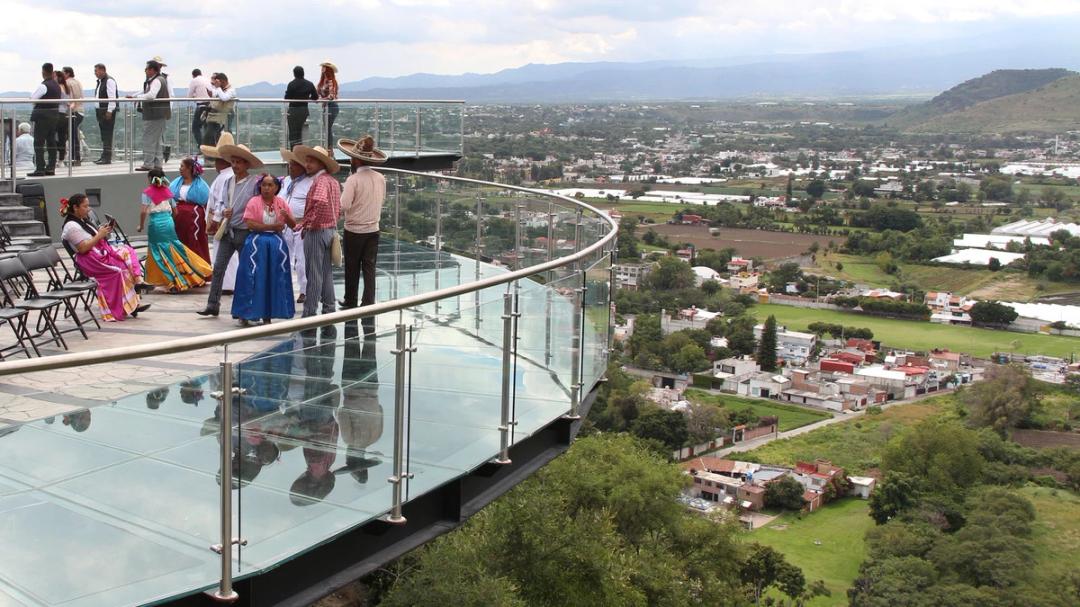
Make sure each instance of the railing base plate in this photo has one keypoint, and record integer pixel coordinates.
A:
(218, 597)
(401, 520)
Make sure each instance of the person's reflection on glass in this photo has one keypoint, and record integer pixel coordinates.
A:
(361, 415)
(317, 427)
(79, 421)
(154, 398)
(192, 391)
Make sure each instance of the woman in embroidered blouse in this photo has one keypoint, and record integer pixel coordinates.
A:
(191, 194)
(115, 268)
(264, 278)
(169, 263)
(328, 91)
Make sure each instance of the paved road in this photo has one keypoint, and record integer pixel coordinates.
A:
(836, 419)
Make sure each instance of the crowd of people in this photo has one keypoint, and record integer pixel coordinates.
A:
(57, 118)
(264, 229)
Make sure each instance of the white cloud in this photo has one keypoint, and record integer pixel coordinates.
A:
(255, 40)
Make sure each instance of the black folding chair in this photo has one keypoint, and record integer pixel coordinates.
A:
(10, 242)
(16, 319)
(37, 260)
(60, 278)
(12, 273)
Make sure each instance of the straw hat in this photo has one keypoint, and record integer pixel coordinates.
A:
(362, 149)
(287, 156)
(211, 151)
(329, 65)
(230, 151)
(303, 152)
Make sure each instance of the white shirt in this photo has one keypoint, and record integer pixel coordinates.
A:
(297, 199)
(74, 234)
(111, 92)
(24, 150)
(199, 88)
(152, 93)
(39, 92)
(218, 194)
(224, 94)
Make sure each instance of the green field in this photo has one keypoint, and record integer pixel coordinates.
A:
(924, 336)
(826, 544)
(1057, 540)
(854, 445)
(790, 416)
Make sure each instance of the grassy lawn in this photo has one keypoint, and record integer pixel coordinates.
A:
(839, 527)
(854, 445)
(923, 336)
(790, 416)
(1057, 539)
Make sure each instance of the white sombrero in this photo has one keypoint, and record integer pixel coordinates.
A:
(303, 152)
(329, 65)
(362, 149)
(231, 151)
(211, 151)
(287, 156)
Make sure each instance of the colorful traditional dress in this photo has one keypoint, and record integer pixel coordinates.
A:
(191, 214)
(113, 267)
(168, 262)
(264, 278)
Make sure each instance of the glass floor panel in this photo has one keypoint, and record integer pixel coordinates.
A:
(119, 504)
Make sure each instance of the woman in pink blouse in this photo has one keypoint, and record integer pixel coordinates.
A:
(264, 279)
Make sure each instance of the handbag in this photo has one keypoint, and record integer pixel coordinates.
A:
(335, 250)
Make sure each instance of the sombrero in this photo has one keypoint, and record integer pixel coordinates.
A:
(211, 151)
(230, 151)
(329, 65)
(287, 156)
(362, 149)
(303, 152)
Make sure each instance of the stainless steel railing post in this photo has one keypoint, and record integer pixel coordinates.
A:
(70, 141)
(225, 592)
(129, 135)
(575, 354)
(507, 352)
(517, 237)
(417, 148)
(401, 351)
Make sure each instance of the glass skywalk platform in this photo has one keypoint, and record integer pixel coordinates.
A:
(120, 504)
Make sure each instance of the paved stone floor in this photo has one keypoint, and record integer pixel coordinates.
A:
(30, 396)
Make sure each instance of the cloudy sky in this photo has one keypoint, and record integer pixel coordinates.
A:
(255, 40)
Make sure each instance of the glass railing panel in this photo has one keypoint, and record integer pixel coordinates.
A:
(455, 393)
(597, 322)
(103, 478)
(440, 127)
(312, 453)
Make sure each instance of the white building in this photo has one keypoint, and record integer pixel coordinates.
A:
(1036, 227)
(949, 309)
(792, 347)
(744, 281)
(979, 257)
(705, 273)
(630, 276)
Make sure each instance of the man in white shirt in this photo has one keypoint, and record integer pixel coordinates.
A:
(215, 207)
(294, 191)
(222, 101)
(46, 119)
(105, 111)
(155, 114)
(199, 88)
(361, 206)
(24, 147)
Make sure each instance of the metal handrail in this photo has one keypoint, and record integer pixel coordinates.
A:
(65, 361)
(93, 100)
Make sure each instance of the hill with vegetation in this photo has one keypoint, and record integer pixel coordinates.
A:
(942, 111)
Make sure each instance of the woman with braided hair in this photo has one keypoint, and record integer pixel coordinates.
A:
(191, 194)
(169, 263)
(115, 268)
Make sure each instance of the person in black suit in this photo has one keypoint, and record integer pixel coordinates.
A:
(301, 89)
(46, 119)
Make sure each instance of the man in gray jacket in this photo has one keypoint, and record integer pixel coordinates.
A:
(155, 114)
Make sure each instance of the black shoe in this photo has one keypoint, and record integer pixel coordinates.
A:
(143, 168)
(36, 174)
(141, 308)
(103, 161)
(344, 306)
(245, 322)
(50, 173)
(302, 298)
(143, 288)
(208, 312)
(77, 163)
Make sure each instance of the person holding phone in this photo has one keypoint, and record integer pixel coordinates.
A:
(115, 268)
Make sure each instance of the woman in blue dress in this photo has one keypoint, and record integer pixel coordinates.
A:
(169, 263)
(264, 278)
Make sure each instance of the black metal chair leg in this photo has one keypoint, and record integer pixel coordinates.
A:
(57, 336)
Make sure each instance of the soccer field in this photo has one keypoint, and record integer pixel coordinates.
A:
(922, 336)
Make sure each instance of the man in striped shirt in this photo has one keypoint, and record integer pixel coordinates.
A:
(319, 226)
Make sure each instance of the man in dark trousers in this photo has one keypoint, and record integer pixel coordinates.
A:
(46, 119)
(105, 111)
(299, 88)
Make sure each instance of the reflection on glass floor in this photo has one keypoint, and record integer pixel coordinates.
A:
(118, 505)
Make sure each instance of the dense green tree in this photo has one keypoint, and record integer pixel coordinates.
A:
(766, 351)
(992, 313)
(668, 427)
(628, 240)
(740, 335)
(896, 493)
(897, 581)
(764, 567)
(670, 273)
(785, 493)
(1006, 399)
(943, 455)
(815, 189)
(688, 359)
